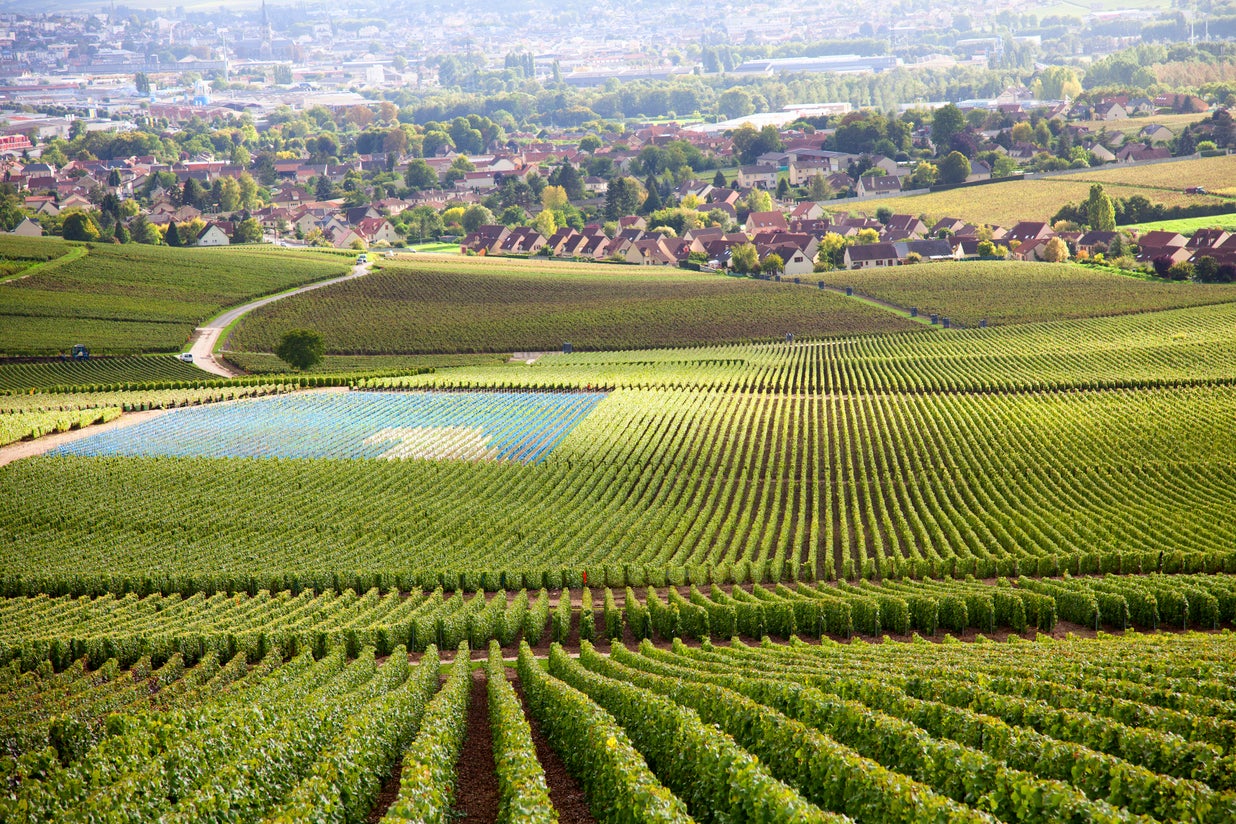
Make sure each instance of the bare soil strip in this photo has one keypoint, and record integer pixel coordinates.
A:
(476, 777)
(390, 791)
(564, 791)
(45, 444)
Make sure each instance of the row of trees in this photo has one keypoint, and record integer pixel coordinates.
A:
(94, 226)
(1102, 212)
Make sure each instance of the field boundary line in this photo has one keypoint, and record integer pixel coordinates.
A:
(74, 253)
(42, 445)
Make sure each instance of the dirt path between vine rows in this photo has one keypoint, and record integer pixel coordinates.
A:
(564, 791)
(41, 446)
(476, 776)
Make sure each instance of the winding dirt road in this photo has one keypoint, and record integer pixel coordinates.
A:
(207, 335)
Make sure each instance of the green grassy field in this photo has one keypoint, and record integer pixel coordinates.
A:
(130, 299)
(1006, 203)
(435, 248)
(473, 305)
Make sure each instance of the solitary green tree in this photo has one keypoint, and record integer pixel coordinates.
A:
(818, 188)
(476, 216)
(80, 226)
(248, 230)
(301, 348)
(1100, 211)
(622, 197)
(946, 121)
(954, 168)
(653, 202)
(745, 259)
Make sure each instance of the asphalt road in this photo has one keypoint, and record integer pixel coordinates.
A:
(208, 333)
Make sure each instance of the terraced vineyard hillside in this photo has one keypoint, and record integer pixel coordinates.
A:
(963, 575)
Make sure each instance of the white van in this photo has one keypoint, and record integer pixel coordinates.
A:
(187, 357)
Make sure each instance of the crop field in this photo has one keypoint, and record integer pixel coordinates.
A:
(59, 632)
(1175, 176)
(1170, 348)
(831, 486)
(265, 363)
(131, 299)
(1052, 730)
(1006, 292)
(1189, 225)
(1133, 125)
(17, 254)
(25, 376)
(692, 572)
(458, 306)
(523, 427)
(1006, 203)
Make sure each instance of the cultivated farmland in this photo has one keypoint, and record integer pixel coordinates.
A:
(129, 299)
(494, 307)
(96, 371)
(1006, 292)
(963, 575)
(834, 485)
(1006, 203)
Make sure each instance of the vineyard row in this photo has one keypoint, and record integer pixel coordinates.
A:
(1137, 729)
(66, 632)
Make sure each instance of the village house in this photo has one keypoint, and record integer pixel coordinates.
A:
(871, 256)
(1030, 250)
(27, 228)
(522, 240)
(1161, 239)
(928, 250)
(1094, 241)
(794, 261)
(484, 240)
(377, 230)
(766, 221)
(757, 177)
(877, 185)
(1029, 231)
(651, 251)
(807, 210)
(901, 227)
(212, 235)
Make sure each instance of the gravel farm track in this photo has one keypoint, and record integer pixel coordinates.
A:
(207, 335)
